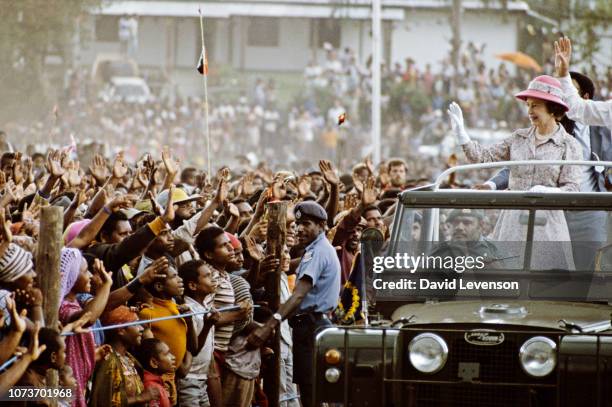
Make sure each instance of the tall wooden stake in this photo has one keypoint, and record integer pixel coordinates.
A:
(276, 238)
(48, 271)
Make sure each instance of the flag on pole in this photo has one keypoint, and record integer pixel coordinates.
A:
(203, 64)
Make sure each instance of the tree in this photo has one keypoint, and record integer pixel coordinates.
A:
(581, 20)
(30, 31)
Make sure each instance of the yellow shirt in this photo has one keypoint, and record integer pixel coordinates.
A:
(172, 331)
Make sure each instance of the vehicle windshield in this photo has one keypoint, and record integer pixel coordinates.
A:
(130, 90)
(506, 248)
(120, 68)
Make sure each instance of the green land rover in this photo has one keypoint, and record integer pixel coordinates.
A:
(538, 333)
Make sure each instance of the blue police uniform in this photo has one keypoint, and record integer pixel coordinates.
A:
(321, 265)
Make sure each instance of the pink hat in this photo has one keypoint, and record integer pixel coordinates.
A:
(74, 229)
(234, 240)
(544, 87)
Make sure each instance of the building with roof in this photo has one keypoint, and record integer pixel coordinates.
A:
(283, 35)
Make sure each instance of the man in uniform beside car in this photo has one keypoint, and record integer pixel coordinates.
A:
(314, 297)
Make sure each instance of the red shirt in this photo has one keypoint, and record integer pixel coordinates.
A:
(153, 380)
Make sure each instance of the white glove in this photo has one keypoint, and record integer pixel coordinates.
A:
(456, 116)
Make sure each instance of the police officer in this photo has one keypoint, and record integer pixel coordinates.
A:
(314, 297)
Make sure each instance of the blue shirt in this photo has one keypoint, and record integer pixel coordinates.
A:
(83, 299)
(321, 264)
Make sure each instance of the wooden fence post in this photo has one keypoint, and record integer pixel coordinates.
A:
(276, 238)
(48, 272)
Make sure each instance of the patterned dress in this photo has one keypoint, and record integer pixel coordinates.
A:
(552, 228)
(80, 352)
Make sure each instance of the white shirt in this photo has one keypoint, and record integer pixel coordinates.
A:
(285, 293)
(588, 112)
(201, 361)
(186, 232)
(583, 135)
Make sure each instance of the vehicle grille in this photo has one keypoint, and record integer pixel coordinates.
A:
(474, 395)
(500, 380)
(497, 363)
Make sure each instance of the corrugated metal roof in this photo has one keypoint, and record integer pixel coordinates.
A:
(512, 5)
(314, 9)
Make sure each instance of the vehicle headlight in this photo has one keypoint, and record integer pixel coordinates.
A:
(332, 375)
(333, 356)
(538, 356)
(428, 352)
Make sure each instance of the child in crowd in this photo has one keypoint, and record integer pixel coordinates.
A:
(53, 357)
(173, 332)
(75, 279)
(157, 360)
(199, 296)
(67, 381)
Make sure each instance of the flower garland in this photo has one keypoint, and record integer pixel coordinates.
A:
(348, 317)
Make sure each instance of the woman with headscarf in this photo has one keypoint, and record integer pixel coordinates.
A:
(116, 382)
(546, 139)
(80, 348)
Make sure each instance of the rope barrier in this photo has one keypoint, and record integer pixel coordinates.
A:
(230, 308)
(9, 362)
(150, 321)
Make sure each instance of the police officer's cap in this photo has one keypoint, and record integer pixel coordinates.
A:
(310, 209)
(474, 213)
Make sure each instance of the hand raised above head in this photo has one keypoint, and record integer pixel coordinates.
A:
(54, 164)
(171, 164)
(329, 172)
(457, 123)
(563, 56)
(120, 167)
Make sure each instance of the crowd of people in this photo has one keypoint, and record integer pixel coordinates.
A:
(248, 127)
(414, 96)
(144, 240)
(163, 267)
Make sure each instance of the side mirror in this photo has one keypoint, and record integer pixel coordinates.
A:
(373, 238)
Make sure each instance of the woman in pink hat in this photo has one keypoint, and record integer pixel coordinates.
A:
(544, 140)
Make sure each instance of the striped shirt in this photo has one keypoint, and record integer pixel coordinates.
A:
(242, 292)
(224, 297)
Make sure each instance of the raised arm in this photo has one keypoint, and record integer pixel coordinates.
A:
(475, 152)
(589, 112)
(91, 230)
(97, 305)
(329, 174)
(130, 247)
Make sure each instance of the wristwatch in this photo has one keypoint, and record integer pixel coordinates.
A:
(277, 317)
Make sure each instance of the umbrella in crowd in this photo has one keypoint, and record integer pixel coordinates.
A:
(521, 60)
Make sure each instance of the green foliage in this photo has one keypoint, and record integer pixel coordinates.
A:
(589, 17)
(30, 31)
(402, 94)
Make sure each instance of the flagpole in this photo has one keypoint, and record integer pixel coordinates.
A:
(205, 75)
(364, 295)
(376, 75)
